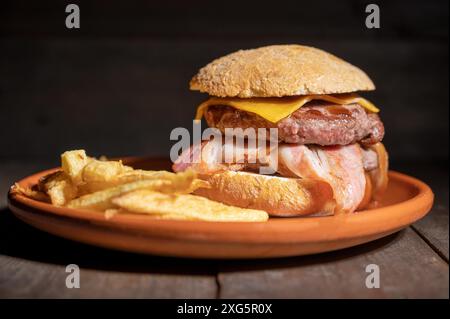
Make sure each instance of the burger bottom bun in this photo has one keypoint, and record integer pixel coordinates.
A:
(279, 196)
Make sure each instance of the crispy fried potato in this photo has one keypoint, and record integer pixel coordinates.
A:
(103, 171)
(113, 188)
(31, 193)
(102, 174)
(111, 212)
(91, 185)
(59, 187)
(139, 174)
(167, 216)
(185, 206)
(101, 200)
(73, 163)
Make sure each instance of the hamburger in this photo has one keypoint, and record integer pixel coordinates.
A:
(325, 155)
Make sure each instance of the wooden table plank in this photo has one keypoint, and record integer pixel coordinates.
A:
(408, 269)
(21, 278)
(433, 228)
(32, 265)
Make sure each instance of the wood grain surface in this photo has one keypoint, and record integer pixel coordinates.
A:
(342, 274)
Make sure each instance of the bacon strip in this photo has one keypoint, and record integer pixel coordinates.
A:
(341, 166)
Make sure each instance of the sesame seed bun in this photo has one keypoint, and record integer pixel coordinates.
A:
(279, 70)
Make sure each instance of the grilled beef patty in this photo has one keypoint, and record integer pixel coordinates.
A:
(317, 122)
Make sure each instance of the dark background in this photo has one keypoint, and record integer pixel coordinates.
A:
(119, 85)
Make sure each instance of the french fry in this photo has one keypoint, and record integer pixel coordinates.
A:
(101, 200)
(59, 187)
(103, 171)
(185, 206)
(96, 184)
(31, 193)
(114, 188)
(139, 174)
(73, 163)
(100, 175)
(111, 212)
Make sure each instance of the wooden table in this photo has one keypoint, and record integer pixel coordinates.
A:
(413, 263)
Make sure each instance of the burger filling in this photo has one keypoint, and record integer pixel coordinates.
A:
(335, 139)
(318, 122)
(343, 167)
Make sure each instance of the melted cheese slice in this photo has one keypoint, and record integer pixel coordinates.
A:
(276, 109)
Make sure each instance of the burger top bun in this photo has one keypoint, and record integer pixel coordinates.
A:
(279, 70)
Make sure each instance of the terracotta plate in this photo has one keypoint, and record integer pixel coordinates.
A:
(406, 201)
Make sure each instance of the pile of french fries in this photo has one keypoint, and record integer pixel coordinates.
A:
(111, 187)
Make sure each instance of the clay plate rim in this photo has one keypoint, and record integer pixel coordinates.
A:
(277, 230)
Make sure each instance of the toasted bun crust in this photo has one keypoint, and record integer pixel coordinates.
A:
(279, 70)
(279, 196)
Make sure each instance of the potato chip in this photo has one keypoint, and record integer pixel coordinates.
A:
(185, 206)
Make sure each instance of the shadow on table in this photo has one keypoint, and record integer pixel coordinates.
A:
(20, 240)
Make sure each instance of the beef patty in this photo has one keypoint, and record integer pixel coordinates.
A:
(317, 122)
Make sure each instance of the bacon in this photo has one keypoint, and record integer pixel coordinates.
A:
(204, 158)
(213, 156)
(340, 166)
